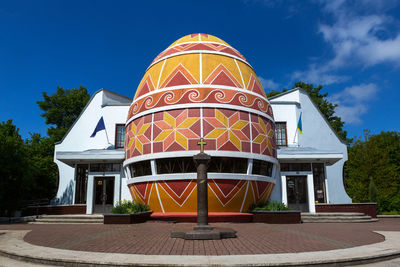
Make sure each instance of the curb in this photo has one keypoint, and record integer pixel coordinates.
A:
(12, 245)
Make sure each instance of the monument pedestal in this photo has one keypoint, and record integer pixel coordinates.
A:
(204, 234)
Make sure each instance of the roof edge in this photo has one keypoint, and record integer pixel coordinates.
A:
(84, 109)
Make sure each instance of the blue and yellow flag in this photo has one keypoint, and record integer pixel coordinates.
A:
(299, 125)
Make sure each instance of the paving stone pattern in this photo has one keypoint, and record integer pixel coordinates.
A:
(153, 238)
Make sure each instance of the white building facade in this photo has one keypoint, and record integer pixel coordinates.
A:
(311, 163)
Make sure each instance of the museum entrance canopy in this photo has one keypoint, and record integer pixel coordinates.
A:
(91, 156)
(307, 154)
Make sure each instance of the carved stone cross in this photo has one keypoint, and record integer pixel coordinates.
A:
(202, 143)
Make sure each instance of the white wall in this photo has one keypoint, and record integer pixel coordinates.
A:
(78, 139)
(316, 134)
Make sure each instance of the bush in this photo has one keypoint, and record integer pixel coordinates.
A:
(393, 212)
(270, 206)
(128, 207)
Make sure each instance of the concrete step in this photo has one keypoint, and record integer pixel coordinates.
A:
(73, 216)
(67, 219)
(336, 217)
(332, 214)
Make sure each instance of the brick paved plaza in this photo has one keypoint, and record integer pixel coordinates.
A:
(153, 238)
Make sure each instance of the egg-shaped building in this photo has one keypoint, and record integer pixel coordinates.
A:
(200, 86)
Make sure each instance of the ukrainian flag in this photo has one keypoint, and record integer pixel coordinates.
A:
(299, 125)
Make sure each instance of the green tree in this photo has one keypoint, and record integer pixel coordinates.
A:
(372, 194)
(320, 100)
(62, 109)
(42, 172)
(12, 168)
(376, 157)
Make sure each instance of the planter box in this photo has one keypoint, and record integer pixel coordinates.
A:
(277, 217)
(139, 217)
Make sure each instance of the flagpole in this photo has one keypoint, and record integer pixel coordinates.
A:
(108, 141)
(294, 139)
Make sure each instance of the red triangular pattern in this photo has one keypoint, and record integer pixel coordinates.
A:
(223, 79)
(178, 186)
(175, 147)
(257, 88)
(178, 79)
(228, 146)
(144, 90)
(226, 186)
(200, 47)
(261, 187)
(141, 188)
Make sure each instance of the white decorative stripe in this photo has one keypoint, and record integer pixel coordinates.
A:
(200, 105)
(200, 51)
(193, 176)
(212, 153)
(202, 42)
(199, 86)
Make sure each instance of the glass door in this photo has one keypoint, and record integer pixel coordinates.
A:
(104, 194)
(296, 188)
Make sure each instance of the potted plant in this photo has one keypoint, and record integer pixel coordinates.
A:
(275, 212)
(127, 212)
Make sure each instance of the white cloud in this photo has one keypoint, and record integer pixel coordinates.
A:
(359, 34)
(353, 101)
(357, 38)
(318, 75)
(268, 84)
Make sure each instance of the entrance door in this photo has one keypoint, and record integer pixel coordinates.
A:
(296, 187)
(104, 194)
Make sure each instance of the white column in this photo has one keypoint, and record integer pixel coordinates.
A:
(89, 194)
(249, 166)
(311, 199)
(117, 188)
(284, 192)
(326, 190)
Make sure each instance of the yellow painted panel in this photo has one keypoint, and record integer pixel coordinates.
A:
(154, 73)
(212, 61)
(247, 71)
(190, 62)
(215, 133)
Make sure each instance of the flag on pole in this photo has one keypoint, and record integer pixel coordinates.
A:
(99, 127)
(299, 125)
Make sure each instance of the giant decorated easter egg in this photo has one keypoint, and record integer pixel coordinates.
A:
(200, 86)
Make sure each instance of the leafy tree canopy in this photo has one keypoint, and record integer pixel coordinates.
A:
(374, 165)
(62, 109)
(12, 158)
(327, 108)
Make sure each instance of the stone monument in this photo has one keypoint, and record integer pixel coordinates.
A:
(203, 231)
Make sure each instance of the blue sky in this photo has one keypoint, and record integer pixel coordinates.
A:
(352, 48)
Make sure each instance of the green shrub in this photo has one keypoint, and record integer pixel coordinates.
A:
(393, 212)
(128, 207)
(270, 206)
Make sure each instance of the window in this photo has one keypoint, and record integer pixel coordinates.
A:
(81, 183)
(280, 134)
(175, 165)
(227, 165)
(319, 182)
(262, 168)
(105, 167)
(140, 168)
(295, 167)
(119, 135)
(187, 165)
